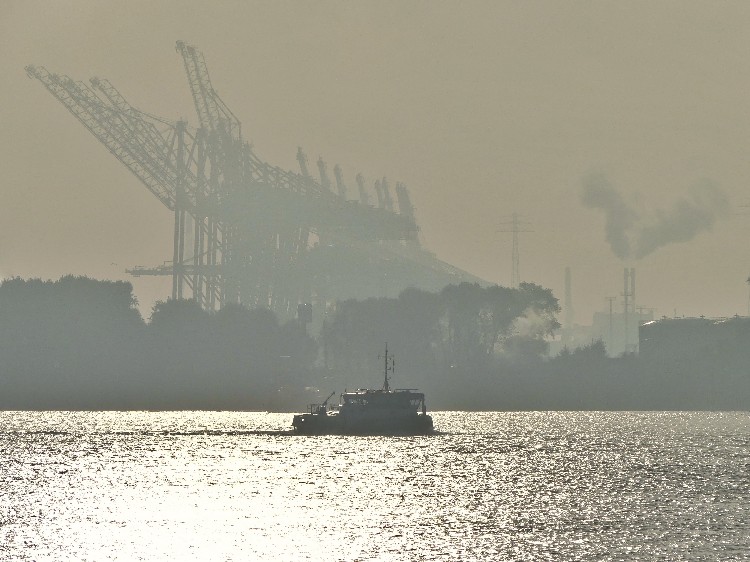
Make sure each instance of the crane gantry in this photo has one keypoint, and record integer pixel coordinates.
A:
(244, 230)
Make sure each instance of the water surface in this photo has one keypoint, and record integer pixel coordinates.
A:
(490, 486)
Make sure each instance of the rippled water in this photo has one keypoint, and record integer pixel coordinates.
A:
(490, 486)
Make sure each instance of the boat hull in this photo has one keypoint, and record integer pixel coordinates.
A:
(326, 424)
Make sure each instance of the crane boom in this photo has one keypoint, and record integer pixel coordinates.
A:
(325, 402)
(93, 114)
(213, 113)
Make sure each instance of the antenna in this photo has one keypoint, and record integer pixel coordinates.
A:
(515, 226)
(389, 363)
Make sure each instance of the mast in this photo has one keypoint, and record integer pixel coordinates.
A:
(387, 367)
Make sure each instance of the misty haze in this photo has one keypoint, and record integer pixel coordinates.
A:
(280, 287)
(216, 215)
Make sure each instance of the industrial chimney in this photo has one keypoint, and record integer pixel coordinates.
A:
(628, 304)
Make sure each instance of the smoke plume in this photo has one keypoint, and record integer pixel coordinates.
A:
(635, 234)
(598, 193)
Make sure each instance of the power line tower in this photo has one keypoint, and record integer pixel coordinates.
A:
(515, 225)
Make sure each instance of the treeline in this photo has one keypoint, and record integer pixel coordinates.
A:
(450, 344)
(78, 343)
(692, 376)
(475, 348)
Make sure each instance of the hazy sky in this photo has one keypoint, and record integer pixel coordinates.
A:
(482, 108)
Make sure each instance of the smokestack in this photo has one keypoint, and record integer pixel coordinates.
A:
(626, 307)
(632, 288)
(568, 300)
(626, 290)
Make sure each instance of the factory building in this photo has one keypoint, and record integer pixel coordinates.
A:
(682, 338)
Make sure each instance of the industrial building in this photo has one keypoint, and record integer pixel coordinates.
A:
(684, 338)
(618, 328)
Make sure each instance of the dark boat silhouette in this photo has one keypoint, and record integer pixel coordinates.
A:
(385, 411)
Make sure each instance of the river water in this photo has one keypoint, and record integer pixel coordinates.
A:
(490, 486)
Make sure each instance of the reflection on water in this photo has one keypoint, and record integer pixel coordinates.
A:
(490, 486)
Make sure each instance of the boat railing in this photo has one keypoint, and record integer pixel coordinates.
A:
(321, 408)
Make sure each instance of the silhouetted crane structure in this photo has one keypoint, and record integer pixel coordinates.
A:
(246, 231)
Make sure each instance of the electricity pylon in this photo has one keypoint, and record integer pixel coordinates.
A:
(515, 225)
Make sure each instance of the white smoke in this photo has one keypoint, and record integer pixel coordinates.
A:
(635, 234)
(531, 324)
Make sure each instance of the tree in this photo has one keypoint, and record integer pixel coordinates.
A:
(535, 310)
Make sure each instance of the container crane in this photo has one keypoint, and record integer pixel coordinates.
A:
(260, 234)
